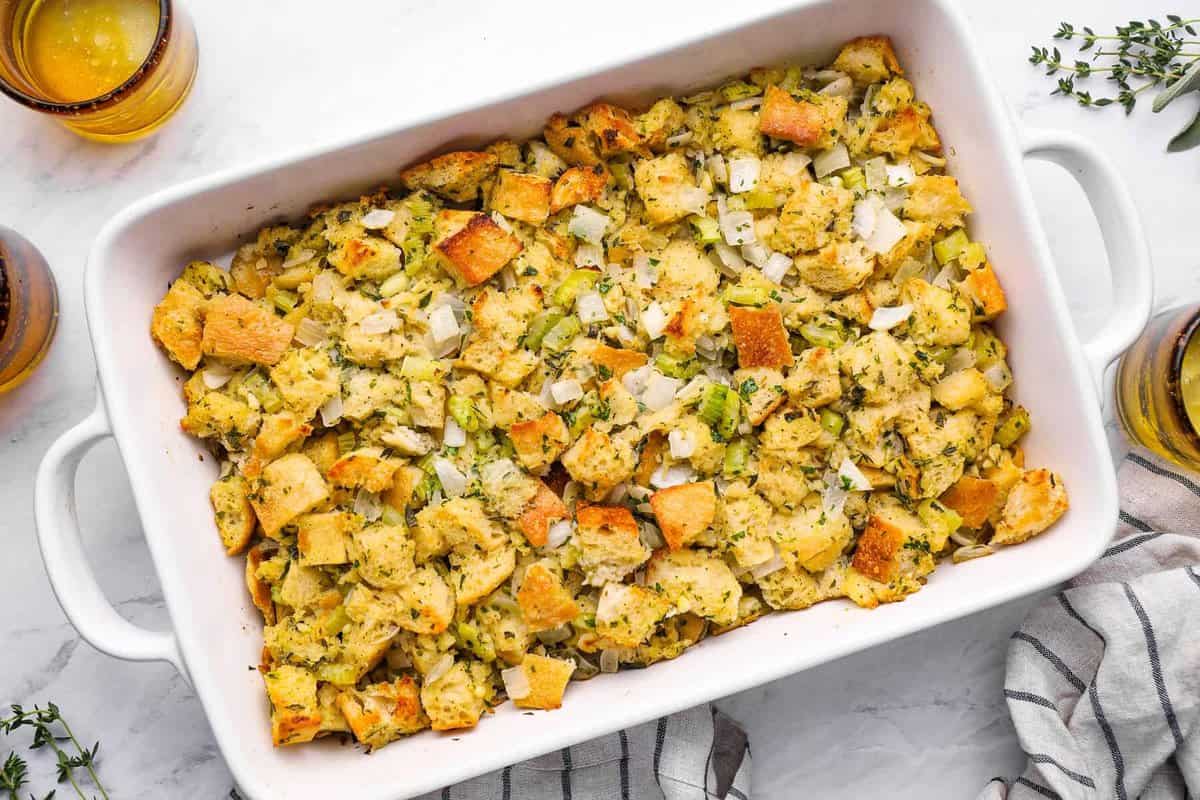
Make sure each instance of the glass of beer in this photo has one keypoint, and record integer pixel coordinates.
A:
(110, 70)
(1158, 386)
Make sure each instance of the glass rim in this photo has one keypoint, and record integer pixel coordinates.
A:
(1188, 331)
(161, 37)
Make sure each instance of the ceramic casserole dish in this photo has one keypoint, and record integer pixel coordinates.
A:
(217, 630)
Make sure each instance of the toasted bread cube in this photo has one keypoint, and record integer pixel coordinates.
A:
(258, 588)
(608, 543)
(510, 406)
(370, 257)
(735, 131)
(812, 538)
(404, 485)
(762, 388)
(662, 120)
(684, 512)
(937, 199)
(547, 679)
(239, 330)
(462, 524)
(838, 267)
(539, 442)
(478, 573)
(478, 250)
(277, 432)
(868, 59)
(665, 185)
(1033, 505)
(288, 488)
(785, 433)
(234, 515)
(521, 196)
(216, 414)
(961, 389)
(616, 360)
(742, 524)
(878, 546)
(698, 582)
(973, 499)
(627, 614)
(811, 122)
(577, 185)
(544, 510)
(178, 323)
(367, 391)
(760, 337)
(813, 216)
(570, 141)
(306, 378)
(613, 128)
(426, 602)
(293, 695)
(457, 699)
(794, 588)
(383, 712)
(814, 382)
(455, 176)
(940, 317)
(321, 538)
(987, 296)
(545, 602)
(365, 467)
(500, 319)
(904, 129)
(599, 462)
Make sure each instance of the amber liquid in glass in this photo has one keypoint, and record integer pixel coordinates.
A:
(1158, 387)
(28, 309)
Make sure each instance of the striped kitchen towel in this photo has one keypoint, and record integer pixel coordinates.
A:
(1103, 678)
(698, 754)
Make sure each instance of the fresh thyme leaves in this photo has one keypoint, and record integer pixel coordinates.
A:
(50, 730)
(1138, 56)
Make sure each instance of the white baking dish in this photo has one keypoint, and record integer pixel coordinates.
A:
(217, 632)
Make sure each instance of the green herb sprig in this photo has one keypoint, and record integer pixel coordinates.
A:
(1137, 57)
(50, 730)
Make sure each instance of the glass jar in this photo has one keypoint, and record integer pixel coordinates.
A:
(28, 308)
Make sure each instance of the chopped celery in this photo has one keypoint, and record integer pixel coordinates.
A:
(944, 521)
(282, 299)
(540, 325)
(391, 516)
(465, 413)
(674, 367)
(731, 416)
(271, 400)
(706, 230)
(712, 403)
(424, 490)
(575, 284)
(793, 80)
(761, 198)
(420, 369)
(735, 202)
(468, 636)
(949, 247)
(738, 90)
(972, 256)
(580, 420)
(562, 334)
(337, 620)
(338, 674)
(393, 285)
(1013, 427)
(420, 227)
(737, 458)
(821, 334)
(485, 439)
(622, 174)
(747, 295)
(832, 421)
(941, 354)
(347, 441)
(854, 179)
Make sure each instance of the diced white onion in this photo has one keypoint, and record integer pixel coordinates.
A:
(743, 174)
(368, 505)
(496, 472)
(407, 441)
(875, 173)
(516, 684)
(442, 324)
(929, 158)
(947, 276)
(676, 475)
(693, 389)
(322, 287)
(911, 268)
(900, 174)
(502, 222)
(443, 665)
(453, 435)
(866, 215)
(377, 218)
(648, 532)
(746, 102)
(757, 254)
(841, 87)
(694, 199)
(311, 333)
(793, 164)
(453, 481)
(833, 499)
(998, 376)
(679, 139)
(301, 257)
(331, 411)
(777, 267)
(830, 161)
(654, 320)
(508, 278)
(379, 322)
(588, 224)
(730, 257)
(660, 391)
(635, 379)
(960, 359)
(849, 472)
(645, 275)
(610, 660)
(217, 375)
(894, 197)
(716, 167)
(626, 335)
(737, 227)
(566, 391)
(589, 255)
(887, 317)
(681, 444)
(559, 533)
(970, 552)
(771, 565)
(719, 375)
(590, 308)
(889, 230)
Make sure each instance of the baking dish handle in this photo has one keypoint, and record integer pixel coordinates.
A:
(70, 575)
(1124, 240)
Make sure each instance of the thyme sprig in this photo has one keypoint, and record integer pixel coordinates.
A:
(50, 730)
(1139, 56)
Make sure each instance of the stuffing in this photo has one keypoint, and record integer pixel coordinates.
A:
(547, 679)
(287, 488)
(788, 431)
(936, 199)
(879, 365)
(1035, 503)
(811, 538)
(961, 389)
(365, 468)
(875, 555)
(477, 574)
(178, 323)
(457, 698)
(599, 462)
(477, 250)
(813, 381)
(793, 588)
(510, 406)
(306, 378)
(906, 129)
(627, 614)
(543, 510)
(545, 602)
(455, 176)
(684, 512)
(762, 391)
(983, 288)
(973, 499)
(940, 317)
(735, 131)
(239, 330)
(760, 337)
(426, 602)
(383, 555)
(367, 391)
(570, 141)
(234, 516)
(813, 216)
(293, 695)
(499, 321)
(657, 124)
(782, 480)
(322, 538)
(838, 267)
(607, 543)
(614, 362)
(383, 712)
(460, 524)
(666, 186)
(521, 196)
(812, 121)
(539, 442)
(868, 59)
(697, 582)
(613, 128)
(577, 185)
(742, 521)
(365, 257)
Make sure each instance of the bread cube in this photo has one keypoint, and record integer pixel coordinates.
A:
(813, 216)
(545, 602)
(383, 712)
(233, 513)
(1033, 505)
(760, 337)
(578, 185)
(666, 185)
(940, 316)
(735, 132)
(868, 59)
(987, 296)
(544, 510)
(608, 543)
(539, 442)
(961, 389)
(614, 362)
(178, 323)
(901, 131)
(973, 499)
(812, 122)
(599, 462)
(322, 538)
(878, 546)
(521, 196)
(570, 141)
(684, 512)
(613, 128)
(277, 432)
(698, 582)
(364, 468)
(658, 123)
(838, 267)
(813, 381)
(293, 695)
(455, 176)
(478, 250)
(456, 699)
(478, 573)
(369, 390)
(879, 365)
(306, 379)
(762, 391)
(383, 554)
(258, 588)
(242, 331)
(288, 488)
(742, 522)
(627, 614)
(547, 679)
(426, 603)
(936, 199)
(811, 538)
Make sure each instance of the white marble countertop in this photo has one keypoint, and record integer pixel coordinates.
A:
(922, 718)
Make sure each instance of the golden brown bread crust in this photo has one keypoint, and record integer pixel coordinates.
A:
(761, 339)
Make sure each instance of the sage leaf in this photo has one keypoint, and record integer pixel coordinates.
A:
(1187, 138)
(1188, 82)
